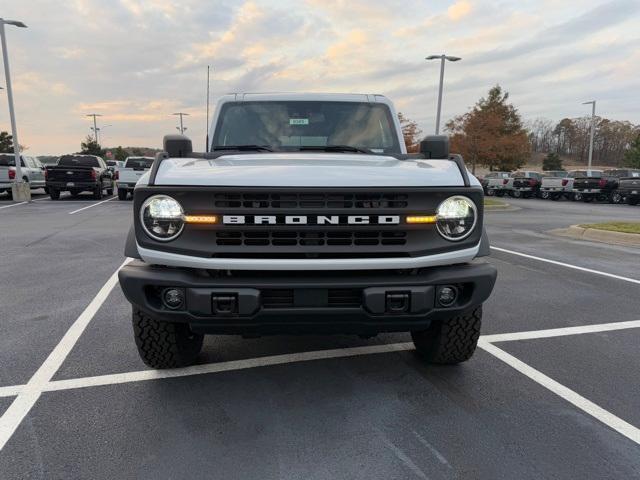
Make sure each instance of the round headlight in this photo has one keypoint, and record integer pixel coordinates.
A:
(456, 217)
(162, 218)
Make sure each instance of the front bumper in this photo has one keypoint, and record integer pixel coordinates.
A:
(307, 302)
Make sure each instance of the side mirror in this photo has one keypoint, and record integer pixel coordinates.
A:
(177, 145)
(435, 146)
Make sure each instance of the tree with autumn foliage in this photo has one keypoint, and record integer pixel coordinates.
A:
(491, 134)
(411, 133)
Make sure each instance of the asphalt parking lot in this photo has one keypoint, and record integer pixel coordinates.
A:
(560, 399)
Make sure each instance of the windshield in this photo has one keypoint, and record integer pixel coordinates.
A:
(78, 160)
(138, 162)
(291, 125)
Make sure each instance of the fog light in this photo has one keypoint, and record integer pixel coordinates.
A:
(447, 296)
(173, 298)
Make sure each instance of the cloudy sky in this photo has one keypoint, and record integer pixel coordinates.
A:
(138, 61)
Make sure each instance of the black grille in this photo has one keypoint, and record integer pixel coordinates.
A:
(277, 298)
(345, 297)
(311, 200)
(291, 238)
(335, 298)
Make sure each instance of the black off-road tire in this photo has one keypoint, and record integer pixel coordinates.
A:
(450, 341)
(165, 344)
(122, 194)
(490, 192)
(545, 195)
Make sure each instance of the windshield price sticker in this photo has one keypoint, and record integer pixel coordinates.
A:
(298, 121)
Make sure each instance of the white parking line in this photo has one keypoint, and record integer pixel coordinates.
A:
(567, 265)
(41, 381)
(142, 375)
(13, 205)
(587, 406)
(93, 205)
(31, 392)
(561, 332)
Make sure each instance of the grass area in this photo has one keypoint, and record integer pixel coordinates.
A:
(492, 202)
(624, 227)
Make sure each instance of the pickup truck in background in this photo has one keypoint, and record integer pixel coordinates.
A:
(555, 184)
(79, 173)
(128, 175)
(31, 169)
(525, 184)
(496, 183)
(601, 185)
(629, 188)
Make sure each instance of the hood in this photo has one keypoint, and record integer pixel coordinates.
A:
(309, 170)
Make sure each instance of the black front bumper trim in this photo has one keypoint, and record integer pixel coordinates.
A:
(362, 302)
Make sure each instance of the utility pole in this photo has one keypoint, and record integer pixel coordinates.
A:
(206, 149)
(95, 125)
(593, 128)
(181, 128)
(442, 59)
(19, 190)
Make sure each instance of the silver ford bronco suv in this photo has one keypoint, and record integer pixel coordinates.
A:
(306, 215)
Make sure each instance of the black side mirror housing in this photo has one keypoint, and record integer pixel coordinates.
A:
(177, 145)
(435, 146)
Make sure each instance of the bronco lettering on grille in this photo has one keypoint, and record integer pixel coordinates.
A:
(311, 219)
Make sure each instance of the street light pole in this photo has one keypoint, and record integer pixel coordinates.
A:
(19, 192)
(442, 59)
(95, 125)
(181, 128)
(593, 128)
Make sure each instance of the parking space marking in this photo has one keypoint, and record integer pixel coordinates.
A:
(30, 393)
(233, 365)
(10, 391)
(587, 406)
(92, 205)
(561, 332)
(567, 265)
(13, 205)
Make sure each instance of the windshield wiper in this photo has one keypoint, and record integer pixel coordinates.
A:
(257, 148)
(337, 148)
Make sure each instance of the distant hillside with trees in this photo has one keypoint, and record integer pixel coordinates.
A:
(493, 135)
(569, 138)
(90, 147)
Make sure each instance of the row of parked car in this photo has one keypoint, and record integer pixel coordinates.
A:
(616, 185)
(75, 173)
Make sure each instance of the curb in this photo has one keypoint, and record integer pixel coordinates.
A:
(595, 235)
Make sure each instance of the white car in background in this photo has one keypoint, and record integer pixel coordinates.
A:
(497, 183)
(128, 175)
(31, 169)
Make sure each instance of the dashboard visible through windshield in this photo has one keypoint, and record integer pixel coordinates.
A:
(292, 125)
